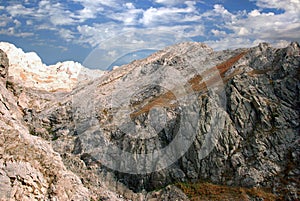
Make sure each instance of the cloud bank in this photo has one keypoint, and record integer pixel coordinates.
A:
(91, 22)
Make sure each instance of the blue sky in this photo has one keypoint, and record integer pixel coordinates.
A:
(62, 30)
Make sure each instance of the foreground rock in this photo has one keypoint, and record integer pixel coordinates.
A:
(3, 66)
(29, 167)
(233, 115)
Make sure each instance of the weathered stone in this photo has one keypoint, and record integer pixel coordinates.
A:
(3, 66)
(242, 105)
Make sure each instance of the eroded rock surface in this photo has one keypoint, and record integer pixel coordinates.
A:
(3, 66)
(29, 167)
(236, 112)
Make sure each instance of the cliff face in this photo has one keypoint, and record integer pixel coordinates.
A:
(185, 113)
(29, 167)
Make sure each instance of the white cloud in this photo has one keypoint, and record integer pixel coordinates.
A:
(162, 18)
(53, 16)
(131, 40)
(219, 9)
(109, 3)
(182, 32)
(45, 26)
(256, 26)
(179, 17)
(46, 11)
(17, 23)
(222, 13)
(130, 16)
(66, 34)
(57, 14)
(254, 13)
(129, 5)
(100, 33)
(59, 19)
(241, 42)
(12, 32)
(87, 13)
(170, 2)
(96, 33)
(91, 8)
(281, 43)
(5, 20)
(267, 26)
(19, 9)
(218, 32)
(243, 31)
(229, 42)
(291, 6)
(91, 3)
(29, 22)
(3, 24)
(167, 15)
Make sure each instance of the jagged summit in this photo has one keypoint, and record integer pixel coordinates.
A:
(28, 69)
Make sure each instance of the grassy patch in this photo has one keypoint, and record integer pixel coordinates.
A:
(208, 191)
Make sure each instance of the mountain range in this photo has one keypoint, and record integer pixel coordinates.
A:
(185, 123)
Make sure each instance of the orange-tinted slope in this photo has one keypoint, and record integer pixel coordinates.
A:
(198, 83)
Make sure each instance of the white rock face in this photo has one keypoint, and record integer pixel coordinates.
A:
(28, 70)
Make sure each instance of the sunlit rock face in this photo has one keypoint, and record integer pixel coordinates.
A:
(184, 114)
(28, 69)
(29, 167)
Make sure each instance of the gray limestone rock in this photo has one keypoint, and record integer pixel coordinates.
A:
(3, 66)
(184, 114)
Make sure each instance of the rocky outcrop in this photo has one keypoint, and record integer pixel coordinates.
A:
(29, 167)
(259, 143)
(3, 66)
(184, 114)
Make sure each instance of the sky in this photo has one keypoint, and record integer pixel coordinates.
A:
(99, 32)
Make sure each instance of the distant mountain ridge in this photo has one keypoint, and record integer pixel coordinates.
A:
(70, 133)
(27, 68)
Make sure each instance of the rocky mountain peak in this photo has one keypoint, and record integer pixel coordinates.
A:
(28, 70)
(178, 51)
(182, 117)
